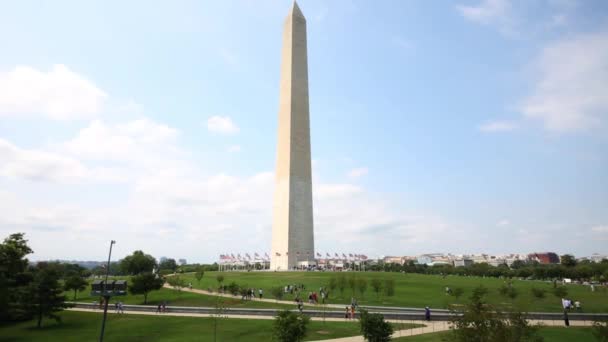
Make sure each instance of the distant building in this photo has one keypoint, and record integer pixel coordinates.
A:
(424, 260)
(393, 260)
(463, 262)
(544, 258)
(182, 261)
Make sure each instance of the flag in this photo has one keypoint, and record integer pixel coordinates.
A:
(256, 255)
(343, 255)
(329, 256)
(350, 255)
(319, 255)
(337, 256)
(232, 255)
(277, 254)
(363, 256)
(266, 255)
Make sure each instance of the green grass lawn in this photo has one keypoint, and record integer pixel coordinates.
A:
(413, 290)
(173, 297)
(85, 326)
(550, 334)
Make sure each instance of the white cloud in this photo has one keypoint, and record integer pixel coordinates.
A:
(234, 148)
(497, 126)
(59, 94)
(570, 91)
(38, 165)
(130, 141)
(600, 229)
(222, 124)
(335, 190)
(503, 222)
(487, 12)
(357, 172)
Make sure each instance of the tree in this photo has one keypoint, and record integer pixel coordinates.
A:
(567, 260)
(341, 284)
(75, 283)
(480, 322)
(45, 295)
(362, 286)
(538, 293)
(220, 279)
(177, 282)
(289, 326)
(137, 263)
(277, 292)
(374, 328)
(144, 283)
(14, 278)
(560, 292)
(389, 287)
(600, 331)
(168, 264)
(507, 291)
(200, 272)
(518, 264)
(377, 286)
(457, 293)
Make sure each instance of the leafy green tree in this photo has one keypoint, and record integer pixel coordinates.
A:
(200, 272)
(568, 260)
(277, 292)
(14, 278)
(374, 328)
(560, 292)
(45, 295)
(352, 284)
(137, 263)
(333, 283)
(389, 287)
(341, 284)
(508, 291)
(481, 322)
(377, 286)
(220, 279)
(538, 293)
(518, 264)
(144, 283)
(457, 293)
(177, 282)
(168, 264)
(75, 283)
(362, 286)
(290, 327)
(600, 331)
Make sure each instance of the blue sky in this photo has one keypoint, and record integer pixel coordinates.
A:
(465, 126)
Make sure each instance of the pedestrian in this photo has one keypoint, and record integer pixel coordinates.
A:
(577, 305)
(120, 308)
(190, 286)
(347, 313)
(300, 305)
(158, 309)
(352, 312)
(566, 320)
(427, 313)
(261, 293)
(164, 307)
(322, 297)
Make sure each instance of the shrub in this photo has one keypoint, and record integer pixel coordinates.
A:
(289, 326)
(374, 328)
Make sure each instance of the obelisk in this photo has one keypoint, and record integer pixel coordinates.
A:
(292, 226)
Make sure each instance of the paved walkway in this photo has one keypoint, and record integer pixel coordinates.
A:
(267, 300)
(429, 327)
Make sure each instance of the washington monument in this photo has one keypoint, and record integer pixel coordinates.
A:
(292, 228)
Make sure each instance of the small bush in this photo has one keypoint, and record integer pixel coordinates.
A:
(374, 328)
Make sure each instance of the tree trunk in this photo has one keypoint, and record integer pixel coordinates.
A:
(39, 317)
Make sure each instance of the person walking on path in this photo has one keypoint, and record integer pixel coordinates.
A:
(158, 308)
(347, 313)
(261, 293)
(566, 320)
(427, 313)
(120, 308)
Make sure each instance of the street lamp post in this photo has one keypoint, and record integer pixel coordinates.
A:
(106, 296)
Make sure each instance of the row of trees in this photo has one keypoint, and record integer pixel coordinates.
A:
(28, 291)
(585, 270)
(358, 285)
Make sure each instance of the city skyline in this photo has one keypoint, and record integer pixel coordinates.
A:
(474, 126)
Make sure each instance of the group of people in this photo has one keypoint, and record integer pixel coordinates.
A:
(293, 288)
(250, 294)
(161, 308)
(118, 307)
(569, 305)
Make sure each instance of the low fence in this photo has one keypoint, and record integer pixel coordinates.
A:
(401, 314)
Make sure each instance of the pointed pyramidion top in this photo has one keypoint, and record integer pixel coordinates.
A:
(295, 10)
